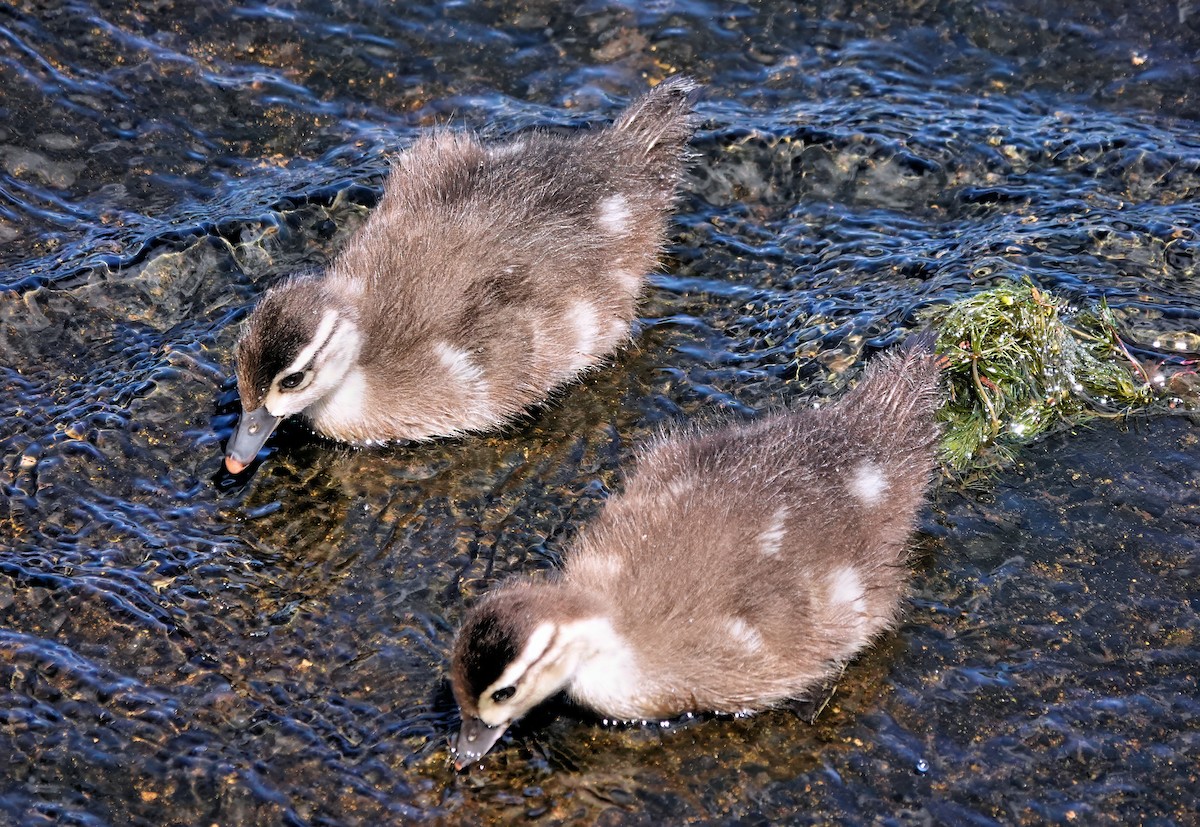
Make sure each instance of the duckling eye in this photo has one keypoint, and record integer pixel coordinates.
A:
(291, 380)
(502, 695)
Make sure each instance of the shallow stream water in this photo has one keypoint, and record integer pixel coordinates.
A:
(181, 647)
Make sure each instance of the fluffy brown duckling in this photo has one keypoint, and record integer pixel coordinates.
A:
(740, 567)
(489, 274)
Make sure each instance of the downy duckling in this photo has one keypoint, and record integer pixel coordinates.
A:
(739, 567)
(488, 275)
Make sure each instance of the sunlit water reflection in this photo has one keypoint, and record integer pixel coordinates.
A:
(182, 647)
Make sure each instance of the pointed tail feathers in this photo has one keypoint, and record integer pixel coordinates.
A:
(661, 120)
(906, 380)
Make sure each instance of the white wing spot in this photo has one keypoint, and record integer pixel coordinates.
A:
(846, 588)
(469, 376)
(744, 633)
(509, 148)
(771, 540)
(459, 363)
(599, 567)
(614, 214)
(617, 332)
(868, 483)
(679, 487)
(583, 319)
(320, 337)
(629, 280)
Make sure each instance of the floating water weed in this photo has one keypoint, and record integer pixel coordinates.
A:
(1021, 362)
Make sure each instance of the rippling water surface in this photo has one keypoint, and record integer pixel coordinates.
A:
(179, 647)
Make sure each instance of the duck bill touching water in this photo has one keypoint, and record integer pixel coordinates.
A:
(739, 568)
(488, 275)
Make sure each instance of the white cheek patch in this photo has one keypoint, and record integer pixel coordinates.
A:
(605, 673)
(276, 404)
(744, 634)
(868, 484)
(324, 331)
(770, 542)
(344, 406)
(542, 669)
(613, 214)
(330, 368)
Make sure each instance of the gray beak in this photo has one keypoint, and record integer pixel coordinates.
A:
(474, 740)
(251, 432)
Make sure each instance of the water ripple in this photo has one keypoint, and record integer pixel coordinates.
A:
(179, 644)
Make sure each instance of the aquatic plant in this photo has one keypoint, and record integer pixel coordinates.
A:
(1022, 362)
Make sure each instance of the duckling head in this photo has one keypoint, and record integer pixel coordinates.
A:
(298, 347)
(518, 647)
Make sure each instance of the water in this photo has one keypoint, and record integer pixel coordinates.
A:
(179, 647)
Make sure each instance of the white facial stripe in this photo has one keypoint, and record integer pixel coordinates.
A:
(614, 214)
(330, 366)
(868, 483)
(533, 651)
(771, 540)
(324, 331)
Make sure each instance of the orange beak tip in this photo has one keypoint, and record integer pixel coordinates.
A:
(233, 466)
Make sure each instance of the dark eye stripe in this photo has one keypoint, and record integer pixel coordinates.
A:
(493, 649)
(337, 325)
(545, 654)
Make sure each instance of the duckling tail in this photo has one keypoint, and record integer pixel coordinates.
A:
(923, 341)
(661, 120)
(906, 381)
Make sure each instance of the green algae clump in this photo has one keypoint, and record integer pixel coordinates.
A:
(1020, 363)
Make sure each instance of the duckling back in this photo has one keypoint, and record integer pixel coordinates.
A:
(488, 275)
(743, 565)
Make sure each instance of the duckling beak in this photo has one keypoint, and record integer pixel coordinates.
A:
(252, 431)
(474, 740)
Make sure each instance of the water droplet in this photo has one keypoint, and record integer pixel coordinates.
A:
(922, 766)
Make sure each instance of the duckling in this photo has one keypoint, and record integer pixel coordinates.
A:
(488, 275)
(740, 567)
